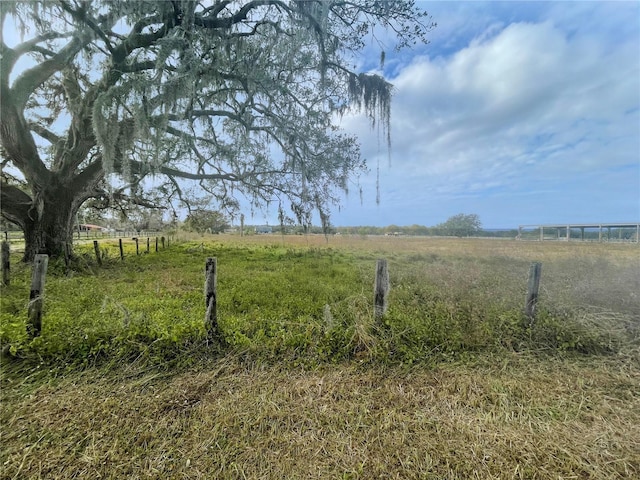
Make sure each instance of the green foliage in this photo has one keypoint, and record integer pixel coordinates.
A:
(461, 225)
(202, 220)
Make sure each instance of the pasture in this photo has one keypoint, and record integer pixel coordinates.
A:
(454, 382)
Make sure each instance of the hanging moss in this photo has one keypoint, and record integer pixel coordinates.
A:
(372, 94)
(105, 127)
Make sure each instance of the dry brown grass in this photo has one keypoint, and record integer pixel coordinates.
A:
(444, 245)
(516, 417)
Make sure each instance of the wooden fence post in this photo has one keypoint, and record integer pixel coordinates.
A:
(96, 248)
(533, 287)
(6, 263)
(34, 325)
(121, 250)
(211, 298)
(147, 244)
(137, 249)
(162, 241)
(381, 289)
(156, 244)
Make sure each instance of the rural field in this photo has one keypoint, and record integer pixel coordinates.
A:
(454, 382)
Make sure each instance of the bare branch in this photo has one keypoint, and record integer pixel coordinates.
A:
(44, 133)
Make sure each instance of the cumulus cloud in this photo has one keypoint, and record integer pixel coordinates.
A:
(523, 106)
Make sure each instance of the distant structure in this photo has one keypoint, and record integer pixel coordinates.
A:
(263, 229)
(87, 227)
(625, 231)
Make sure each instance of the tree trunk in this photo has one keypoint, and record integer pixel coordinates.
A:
(49, 228)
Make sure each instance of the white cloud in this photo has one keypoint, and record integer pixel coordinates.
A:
(519, 107)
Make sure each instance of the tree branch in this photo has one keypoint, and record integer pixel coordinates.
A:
(9, 56)
(15, 203)
(138, 67)
(17, 141)
(214, 22)
(44, 133)
(26, 83)
(172, 172)
(72, 89)
(32, 45)
(82, 17)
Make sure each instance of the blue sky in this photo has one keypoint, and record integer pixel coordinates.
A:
(520, 112)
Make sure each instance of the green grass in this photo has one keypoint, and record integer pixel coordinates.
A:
(310, 303)
(454, 383)
(155, 302)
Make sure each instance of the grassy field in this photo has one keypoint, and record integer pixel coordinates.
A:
(454, 383)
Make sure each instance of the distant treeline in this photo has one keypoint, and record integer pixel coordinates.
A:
(392, 230)
(421, 230)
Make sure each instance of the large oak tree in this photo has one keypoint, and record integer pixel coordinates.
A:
(240, 96)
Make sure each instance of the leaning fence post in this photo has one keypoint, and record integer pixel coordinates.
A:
(34, 325)
(6, 263)
(211, 298)
(532, 290)
(96, 249)
(381, 289)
